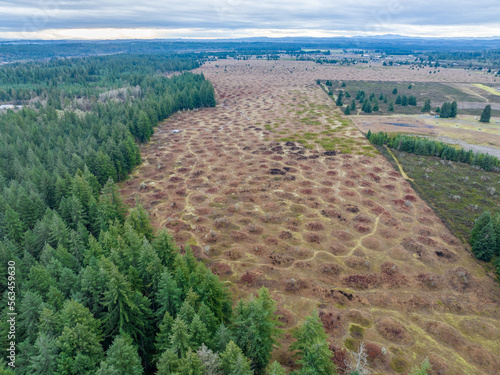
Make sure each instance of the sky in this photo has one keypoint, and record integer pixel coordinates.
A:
(148, 19)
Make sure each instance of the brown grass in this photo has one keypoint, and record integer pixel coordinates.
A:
(342, 232)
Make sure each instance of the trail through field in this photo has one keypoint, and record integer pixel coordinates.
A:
(249, 186)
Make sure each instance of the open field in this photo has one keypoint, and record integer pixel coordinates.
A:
(464, 130)
(471, 98)
(459, 204)
(258, 189)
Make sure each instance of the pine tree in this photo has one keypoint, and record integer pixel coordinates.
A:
(422, 370)
(44, 361)
(427, 106)
(168, 296)
(163, 337)
(168, 363)
(485, 244)
(312, 347)
(453, 109)
(347, 110)
(367, 107)
(486, 115)
(222, 337)
(139, 220)
(187, 312)
(180, 338)
(256, 329)
(165, 247)
(121, 358)
(198, 333)
(79, 345)
(483, 220)
(190, 364)
(275, 369)
(231, 357)
(390, 107)
(339, 99)
(353, 105)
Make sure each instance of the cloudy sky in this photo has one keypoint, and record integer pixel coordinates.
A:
(111, 19)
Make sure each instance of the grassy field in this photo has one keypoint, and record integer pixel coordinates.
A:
(457, 192)
(464, 93)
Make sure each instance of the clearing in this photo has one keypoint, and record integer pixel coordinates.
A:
(258, 188)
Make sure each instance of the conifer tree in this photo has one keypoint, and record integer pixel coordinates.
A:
(256, 329)
(190, 364)
(121, 358)
(180, 338)
(483, 220)
(275, 369)
(312, 347)
(198, 333)
(485, 244)
(486, 115)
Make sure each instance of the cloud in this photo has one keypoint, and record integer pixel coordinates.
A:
(230, 18)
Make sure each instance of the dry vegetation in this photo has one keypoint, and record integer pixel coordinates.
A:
(258, 188)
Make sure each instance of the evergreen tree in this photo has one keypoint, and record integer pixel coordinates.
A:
(312, 347)
(399, 99)
(275, 369)
(180, 338)
(233, 358)
(390, 107)
(138, 219)
(165, 247)
(256, 329)
(483, 220)
(121, 358)
(427, 106)
(453, 109)
(485, 244)
(367, 107)
(44, 360)
(163, 337)
(190, 364)
(486, 115)
(422, 370)
(339, 99)
(353, 105)
(168, 363)
(79, 345)
(395, 92)
(347, 110)
(222, 337)
(198, 333)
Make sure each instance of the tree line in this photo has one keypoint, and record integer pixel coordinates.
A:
(427, 147)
